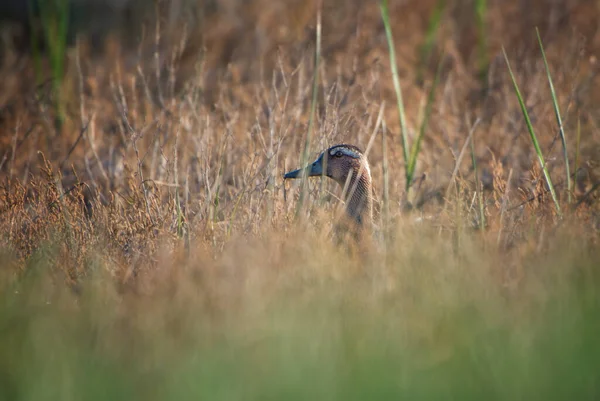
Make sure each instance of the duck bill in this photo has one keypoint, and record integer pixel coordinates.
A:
(315, 169)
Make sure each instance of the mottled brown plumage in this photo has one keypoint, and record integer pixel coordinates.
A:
(347, 165)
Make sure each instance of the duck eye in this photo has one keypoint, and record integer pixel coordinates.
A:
(339, 153)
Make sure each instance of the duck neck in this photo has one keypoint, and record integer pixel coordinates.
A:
(359, 199)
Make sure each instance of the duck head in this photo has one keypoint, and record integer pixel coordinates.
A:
(348, 166)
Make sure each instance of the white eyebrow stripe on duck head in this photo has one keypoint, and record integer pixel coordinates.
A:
(346, 151)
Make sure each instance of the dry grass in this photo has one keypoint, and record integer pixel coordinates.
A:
(149, 247)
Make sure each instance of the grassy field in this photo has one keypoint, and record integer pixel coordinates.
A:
(150, 249)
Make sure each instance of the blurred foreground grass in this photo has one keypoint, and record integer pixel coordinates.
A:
(278, 318)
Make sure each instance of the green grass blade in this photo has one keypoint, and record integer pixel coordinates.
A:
(558, 117)
(430, 36)
(536, 144)
(385, 15)
(54, 17)
(414, 153)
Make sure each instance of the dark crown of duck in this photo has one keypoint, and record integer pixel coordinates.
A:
(347, 165)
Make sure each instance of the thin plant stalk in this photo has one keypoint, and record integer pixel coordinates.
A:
(459, 161)
(430, 35)
(558, 117)
(414, 153)
(536, 144)
(54, 19)
(180, 218)
(577, 146)
(386, 179)
(366, 154)
(217, 199)
(504, 204)
(313, 106)
(396, 80)
(478, 191)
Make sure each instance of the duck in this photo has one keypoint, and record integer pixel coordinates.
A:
(348, 166)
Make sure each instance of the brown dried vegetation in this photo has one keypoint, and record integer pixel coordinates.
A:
(194, 145)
